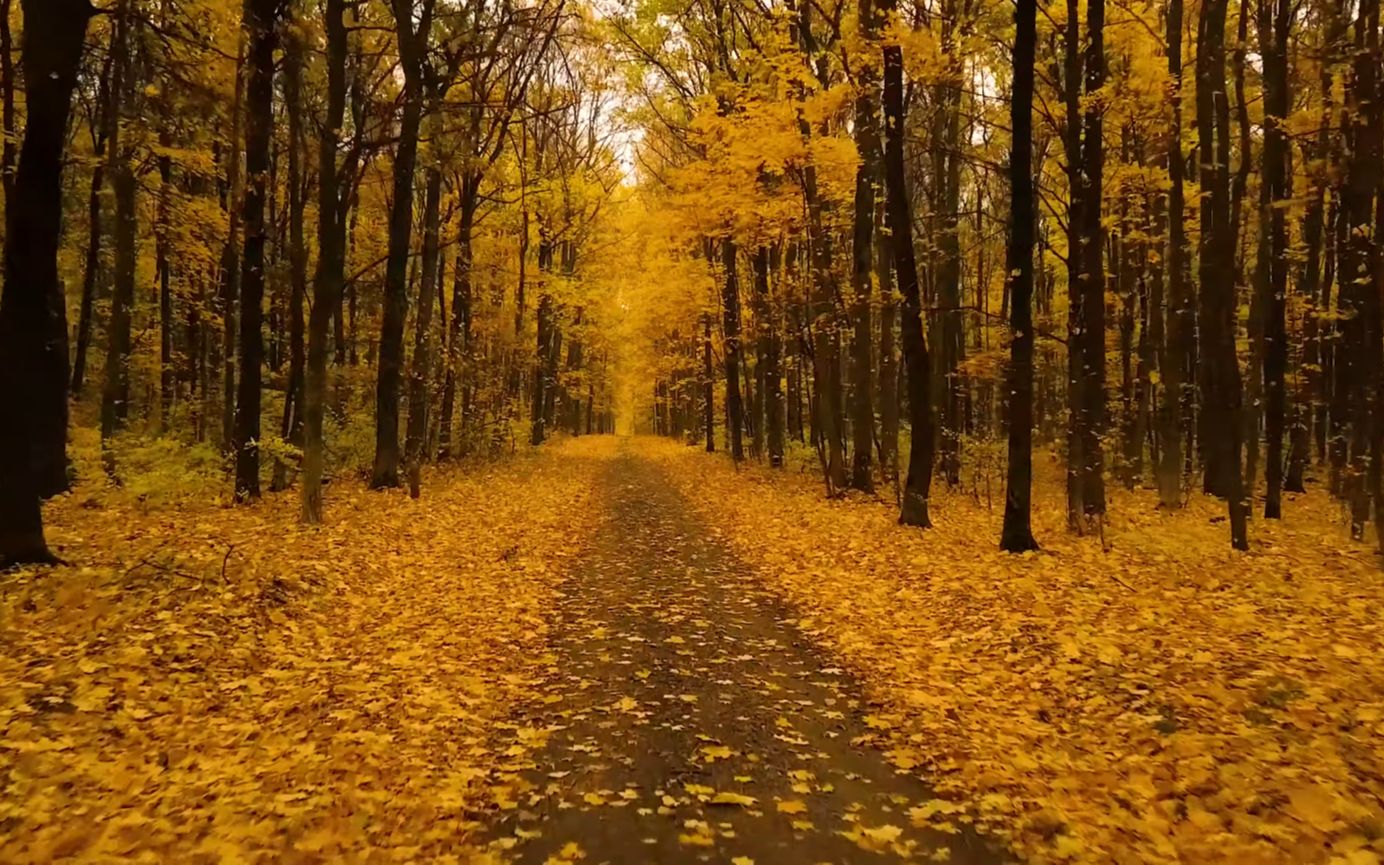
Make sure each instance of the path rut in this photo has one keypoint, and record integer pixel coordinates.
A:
(692, 722)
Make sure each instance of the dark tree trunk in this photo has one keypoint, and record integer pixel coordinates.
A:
(292, 429)
(824, 322)
(33, 331)
(1017, 534)
(1274, 22)
(1076, 194)
(230, 262)
(946, 194)
(260, 20)
(1220, 372)
(543, 350)
(1174, 351)
(115, 389)
(888, 379)
(415, 442)
(1091, 408)
(730, 331)
(867, 177)
(1311, 397)
(914, 510)
(331, 261)
(1357, 358)
(458, 334)
(90, 272)
(708, 388)
(162, 266)
(771, 386)
(412, 39)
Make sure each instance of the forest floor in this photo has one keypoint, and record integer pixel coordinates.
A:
(628, 650)
(214, 684)
(687, 719)
(1148, 696)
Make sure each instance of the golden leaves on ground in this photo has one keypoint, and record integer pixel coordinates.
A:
(223, 684)
(1166, 701)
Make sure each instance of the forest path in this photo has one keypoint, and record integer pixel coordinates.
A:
(691, 722)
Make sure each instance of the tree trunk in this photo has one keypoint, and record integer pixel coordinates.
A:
(730, 331)
(1173, 352)
(914, 510)
(331, 261)
(90, 272)
(260, 18)
(771, 385)
(458, 341)
(1092, 298)
(33, 330)
(946, 183)
(1016, 536)
(115, 390)
(167, 376)
(888, 379)
(415, 443)
(867, 177)
(824, 320)
(230, 259)
(1076, 195)
(708, 390)
(412, 47)
(1274, 22)
(1220, 372)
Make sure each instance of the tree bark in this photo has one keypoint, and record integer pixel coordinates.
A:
(1092, 288)
(415, 442)
(1016, 536)
(115, 390)
(918, 485)
(1219, 369)
(412, 41)
(867, 176)
(33, 330)
(708, 389)
(771, 378)
(730, 331)
(458, 339)
(260, 20)
(1173, 352)
(331, 261)
(1274, 23)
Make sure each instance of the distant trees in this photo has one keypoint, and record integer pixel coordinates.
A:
(1258, 343)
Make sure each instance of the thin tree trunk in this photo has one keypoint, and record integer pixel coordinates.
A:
(115, 392)
(708, 389)
(260, 18)
(867, 177)
(292, 429)
(1173, 351)
(730, 330)
(331, 262)
(412, 41)
(1274, 23)
(416, 440)
(771, 385)
(458, 341)
(914, 510)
